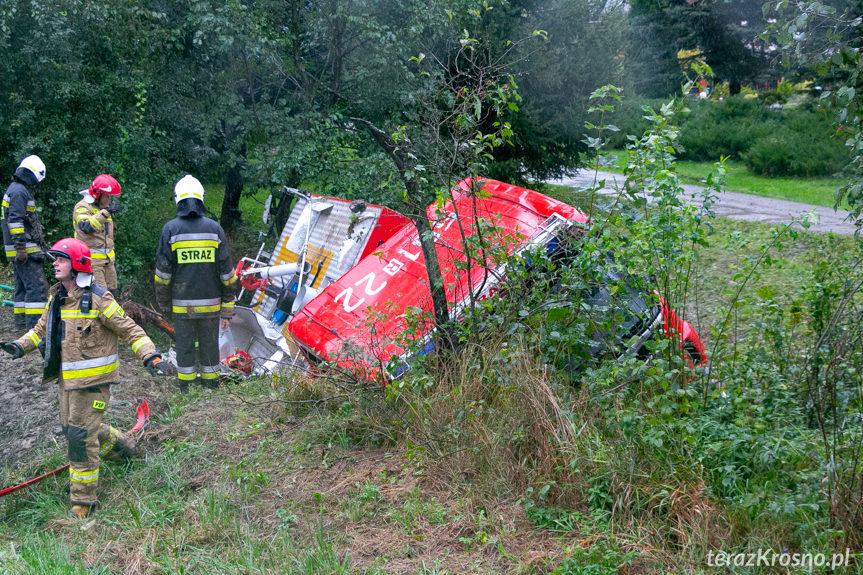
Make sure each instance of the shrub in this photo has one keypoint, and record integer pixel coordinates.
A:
(727, 128)
(802, 146)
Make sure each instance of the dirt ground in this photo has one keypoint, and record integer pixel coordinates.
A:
(29, 409)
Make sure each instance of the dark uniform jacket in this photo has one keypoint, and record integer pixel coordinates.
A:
(81, 344)
(194, 273)
(19, 221)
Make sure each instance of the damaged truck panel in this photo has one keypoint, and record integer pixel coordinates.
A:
(358, 320)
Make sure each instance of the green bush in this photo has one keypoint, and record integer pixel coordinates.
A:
(725, 128)
(802, 146)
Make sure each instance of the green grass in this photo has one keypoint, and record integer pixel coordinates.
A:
(816, 191)
(238, 482)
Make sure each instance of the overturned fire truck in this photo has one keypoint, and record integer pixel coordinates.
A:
(344, 276)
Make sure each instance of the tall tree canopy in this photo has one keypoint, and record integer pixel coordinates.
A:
(725, 33)
(261, 94)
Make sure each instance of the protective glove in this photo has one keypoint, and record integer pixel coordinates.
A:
(113, 208)
(157, 366)
(12, 349)
(20, 253)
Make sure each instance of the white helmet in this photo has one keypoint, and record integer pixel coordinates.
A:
(188, 188)
(35, 165)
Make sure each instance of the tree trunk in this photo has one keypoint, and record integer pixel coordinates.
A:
(417, 214)
(421, 222)
(231, 215)
(734, 87)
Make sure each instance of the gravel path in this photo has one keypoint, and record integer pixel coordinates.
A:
(733, 205)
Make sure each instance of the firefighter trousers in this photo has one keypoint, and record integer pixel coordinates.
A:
(30, 292)
(197, 349)
(81, 412)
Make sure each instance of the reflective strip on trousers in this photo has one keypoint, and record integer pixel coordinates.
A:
(89, 367)
(187, 373)
(83, 476)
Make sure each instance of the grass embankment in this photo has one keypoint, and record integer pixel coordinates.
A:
(816, 191)
(269, 477)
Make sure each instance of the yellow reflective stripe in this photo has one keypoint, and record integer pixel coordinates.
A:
(112, 309)
(33, 311)
(16, 230)
(205, 375)
(186, 376)
(83, 476)
(33, 337)
(31, 208)
(10, 254)
(109, 445)
(196, 309)
(81, 373)
(156, 278)
(5, 204)
(138, 343)
(74, 313)
(94, 222)
(194, 244)
(229, 281)
(96, 256)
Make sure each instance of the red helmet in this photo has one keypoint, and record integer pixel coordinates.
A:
(104, 184)
(75, 250)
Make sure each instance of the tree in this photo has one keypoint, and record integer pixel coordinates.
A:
(582, 48)
(724, 33)
(826, 38)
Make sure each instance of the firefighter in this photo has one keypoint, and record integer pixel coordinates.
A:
(94, 225)
(22, 237)
(79, 329)
(195, 284)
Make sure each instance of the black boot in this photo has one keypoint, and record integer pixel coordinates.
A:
(210, 383)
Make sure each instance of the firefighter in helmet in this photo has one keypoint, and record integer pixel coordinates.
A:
(94, 225)
(79, 329)
(195, 284)
(22, 238)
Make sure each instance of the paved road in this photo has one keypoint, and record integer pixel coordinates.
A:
(734, 205)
